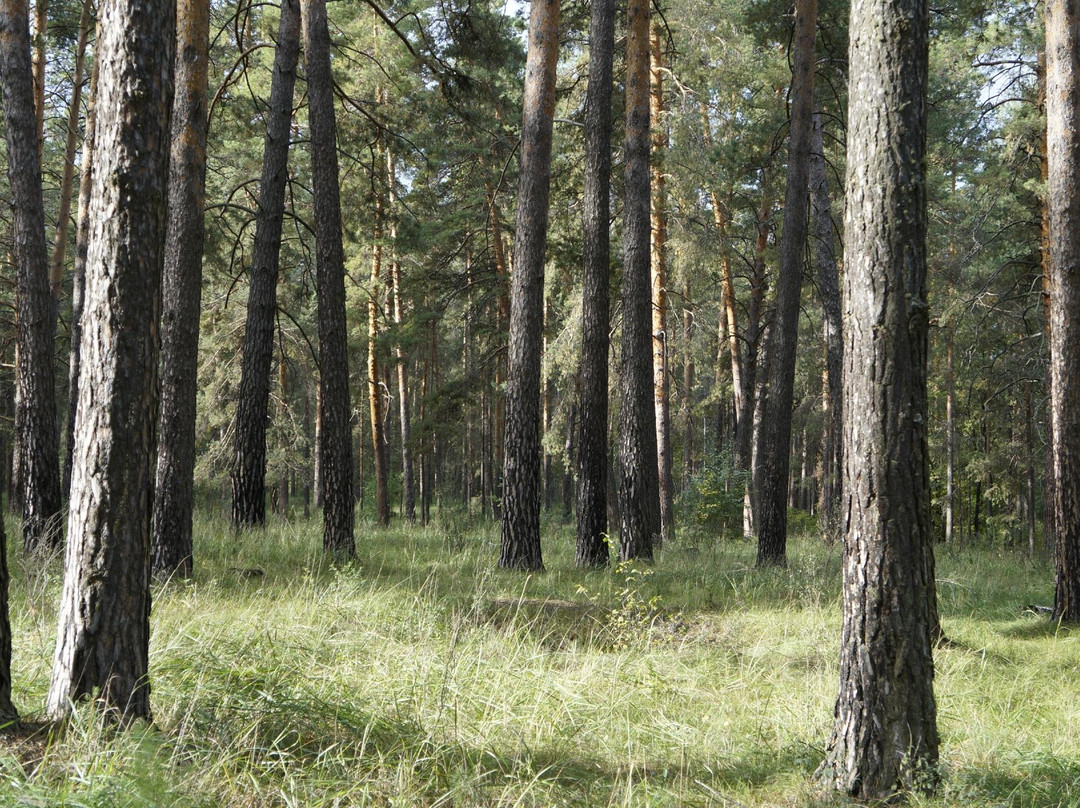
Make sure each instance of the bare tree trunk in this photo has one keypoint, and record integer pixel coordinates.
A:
(103, 642)
(35, 416)
(658, 279)
(249, 458)
(1049, 482)
(688, 386)
(181, 294)
(41, 15)
(502, 320)
(639, 488)
(522, 458)
(832, 461)
(335, 445)
(885, 736)
(772, 476)
(1029, 440)
(1063, 199)
(950, 441)
(407, 483)
(9, 716)
(593, 454)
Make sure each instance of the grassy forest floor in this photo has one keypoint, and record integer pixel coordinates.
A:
(423, 676)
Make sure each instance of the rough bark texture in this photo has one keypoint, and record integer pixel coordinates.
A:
(771, 478)
(41, 17)
(639, 489)
(35, 415)
(67, 182)
(8, 714)
(78, 277)
(249, 453)
(658, 280)
(592, 524)
(181, 294)
(335, 444)
(829, 291)
(104, 635)
(522, 451)
(885, 737)
(1063, 200)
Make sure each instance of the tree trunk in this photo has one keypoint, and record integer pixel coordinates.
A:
(950, 441)
(688, 386)
(8, 714)
(335, 441)
(1063, 199)
(775, 456)
(639, 487)
(78, 278)
(249, 459)
(181, 294)
(59, 251)
(832, 462)
(41, 16)
(522, 451)
(104, 637)
(593, 454)
(407, 483)
(568, 459)
(885, 737)
(1029, 440)
(1049, 483)
(35, 416)
(502, 319)
(659, 292)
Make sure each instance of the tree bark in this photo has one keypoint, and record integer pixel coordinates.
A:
(522, 450)
(832, 462)
(8, 714)
(593, 454)
(249, 454)
(181, 295)
(659, 291)
(885, 738)
(775, 455)
(41, 17)
(335, 441)
(375, 401)
(1063, 200)
(35, 416)
(950, 440)
(639, 487)
(104, 635)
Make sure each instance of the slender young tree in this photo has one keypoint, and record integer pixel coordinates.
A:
(41, 22)
(104, 633)
(404, 418)
(774, 458)
(181, 293)
(521, 447)
(829, 291)
(885, 737)
(376, 407)
(35, 416)
(249, 454)
(639, 488)
(1063, 203)
(78, 277)
(335, 444)
(592, 524)
(658, 228)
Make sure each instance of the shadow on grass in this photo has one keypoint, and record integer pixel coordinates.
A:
(1038, 782)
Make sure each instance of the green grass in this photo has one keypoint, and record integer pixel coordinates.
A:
(421, 675)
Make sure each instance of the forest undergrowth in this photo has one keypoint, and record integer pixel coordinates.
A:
(421, 675)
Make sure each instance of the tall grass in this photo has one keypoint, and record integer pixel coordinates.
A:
(420, 675)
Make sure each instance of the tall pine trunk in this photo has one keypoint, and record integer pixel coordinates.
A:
(774, 459)
(249, 453)
(8, 714)
(593, 454)
(335, 439)
(639, 488)
(522, 452)
(375, 399)
(885, 737)
(408, 483)
(103, 642)
(181, 295)
(38, 455)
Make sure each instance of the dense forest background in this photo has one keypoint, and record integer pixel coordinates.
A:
(428, 107)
